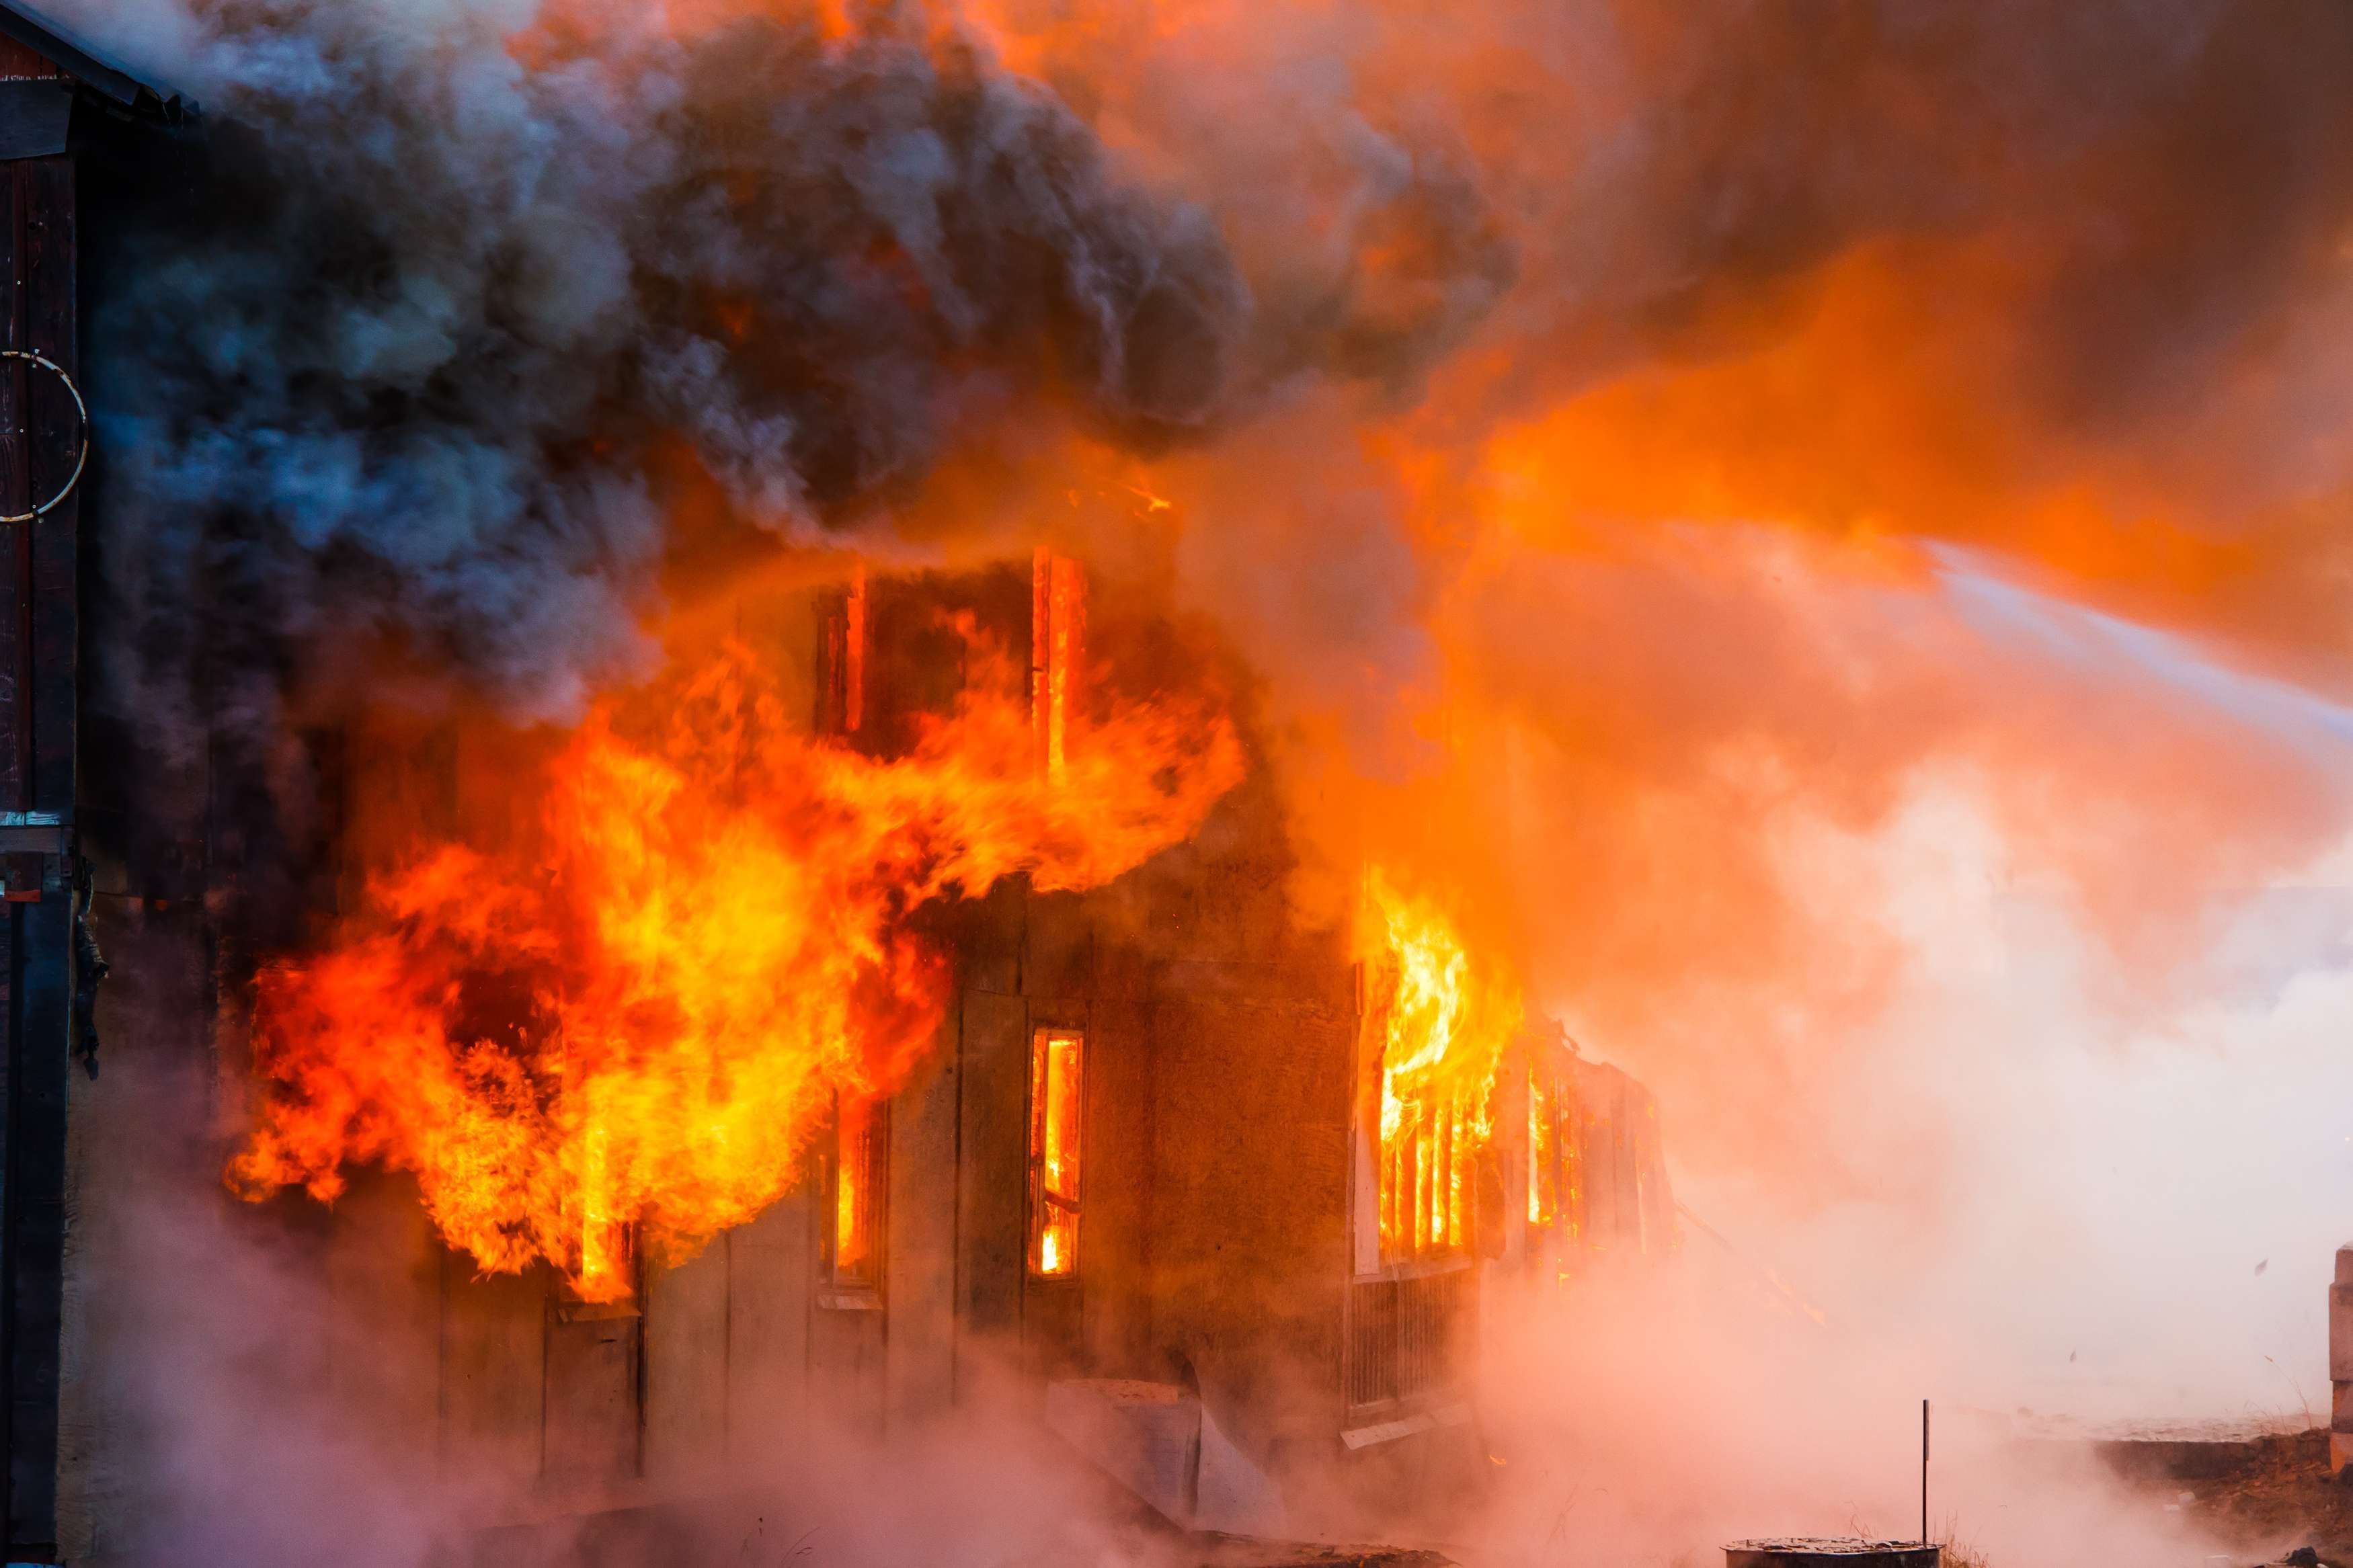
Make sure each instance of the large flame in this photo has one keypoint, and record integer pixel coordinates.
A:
(1442, 1023)
(636, 1011)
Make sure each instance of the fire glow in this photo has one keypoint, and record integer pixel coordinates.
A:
(1442, 1026)
(638, 1011)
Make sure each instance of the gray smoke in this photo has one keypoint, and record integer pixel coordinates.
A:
(402, 373)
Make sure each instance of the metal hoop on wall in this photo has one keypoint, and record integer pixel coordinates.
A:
(81, 414)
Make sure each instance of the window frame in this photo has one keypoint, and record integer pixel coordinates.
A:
(1037, 1106)
(860, 1288)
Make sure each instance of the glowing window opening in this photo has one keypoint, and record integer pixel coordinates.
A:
(1057, 1062)
(858, 1168)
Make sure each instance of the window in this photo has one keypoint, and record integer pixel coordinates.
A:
(1056, 1062)
(857, 1169)
(1058, 610)
(1429, 1196)
(1556, 1154)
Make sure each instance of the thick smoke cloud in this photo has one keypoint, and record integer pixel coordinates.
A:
(409, 370)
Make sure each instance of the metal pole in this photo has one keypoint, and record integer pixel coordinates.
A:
(1924, 1472)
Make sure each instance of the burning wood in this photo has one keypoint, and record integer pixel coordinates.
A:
(636, 1011)
(1442, 1025)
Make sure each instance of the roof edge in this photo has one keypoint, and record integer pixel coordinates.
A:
(110, 82)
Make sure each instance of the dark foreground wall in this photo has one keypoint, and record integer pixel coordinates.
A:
(40, 443)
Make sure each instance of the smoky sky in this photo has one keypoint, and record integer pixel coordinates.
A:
(403, 360)
(401, 365)
(414, 365)
(409, 361)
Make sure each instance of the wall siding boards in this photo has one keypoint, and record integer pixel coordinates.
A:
(768, 1290)
(920, 1237)
(493, 1373)
(992, 1215)
(686, 1372)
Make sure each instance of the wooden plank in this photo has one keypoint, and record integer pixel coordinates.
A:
(1114, 1214)
(768, 1288)
(1058, 959)
(989, 938)
(686, 1333)
(493, 1373)
(845, 1368)
(383, 1267)
(920, 1240)
(593, 1436)
(1249, 1276)
(992, 1205)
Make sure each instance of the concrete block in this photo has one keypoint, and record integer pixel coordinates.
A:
(2340, 1410)
(1145, 1436)
(2341, 1333)
(2340, 1453)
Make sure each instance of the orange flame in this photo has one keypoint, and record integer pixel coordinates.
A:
(1443, 1027)
(637, 1013)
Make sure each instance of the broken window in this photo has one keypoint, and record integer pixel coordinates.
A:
(1058, 608)
(1556, 1157)
(1429, 1176)
(856, 1172)
(1056, 1062)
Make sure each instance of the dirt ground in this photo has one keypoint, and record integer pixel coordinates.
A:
(2273, 1494)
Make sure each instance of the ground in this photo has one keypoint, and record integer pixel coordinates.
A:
(2275, 1493)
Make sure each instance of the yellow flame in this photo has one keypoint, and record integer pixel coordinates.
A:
(1443, 1025)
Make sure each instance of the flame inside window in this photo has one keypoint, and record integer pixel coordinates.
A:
(1056, 1059)
(859, 1170)
(1057, 605)
(1438, 1026)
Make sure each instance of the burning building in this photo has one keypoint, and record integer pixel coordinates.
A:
(892, 1001)
(1214, 1195)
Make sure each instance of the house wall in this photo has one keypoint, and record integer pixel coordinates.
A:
(1214, 1240)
